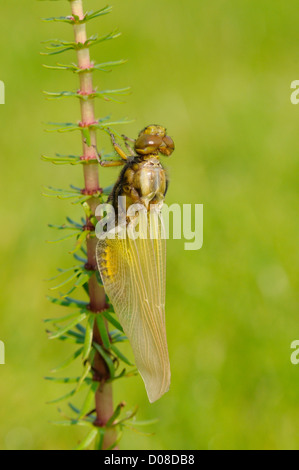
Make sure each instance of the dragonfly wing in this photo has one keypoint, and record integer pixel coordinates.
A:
(134, 275)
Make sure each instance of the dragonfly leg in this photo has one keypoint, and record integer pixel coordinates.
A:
(132, 153)
(107, 163)
(126, 141)
(117, 147)
(128, 138)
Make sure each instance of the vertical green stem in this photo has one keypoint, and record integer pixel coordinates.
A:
(103, 397)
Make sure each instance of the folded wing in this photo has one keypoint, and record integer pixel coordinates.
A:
(133, 272)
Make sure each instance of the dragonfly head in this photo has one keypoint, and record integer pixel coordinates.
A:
(153, 140)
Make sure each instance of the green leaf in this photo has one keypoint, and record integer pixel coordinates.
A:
(120, 355)
(81, 329)
(88, 337)
(65, 193)
(117, 337)
(79, 303)
(57, 46)
(126, 374)
(80, 200)
(62, 398)
(65, 227)
(106, 358)
(103, 94)
(63, 271)
(97, 40)
(73, 222)
(87, 209)
(78, 337)
(68, 361)
(64, 127)
(61, 319)
(112, 320)
(73, 408)
(128, 416)
(71, 67)
(82, 279)
(106, 65)
(102, 124)
(116, 441)
(103, 331)
(100, 439)
(63, 380)
(117, 91)
(88, 440)
(89, 400)
(74, 19)
(79, 258)
(90, 15)
(102, 67)
(81, 239)
(66, 281)
(148, 422)
(68, 302)
(84, 375)
(71, 338)
(61, 94)
(63, 19)
(115, 415)
(99, 279)
(63, 159)
(67, 237)
(68, 327)
(72, 422)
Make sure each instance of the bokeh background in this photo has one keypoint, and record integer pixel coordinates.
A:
(217, 74)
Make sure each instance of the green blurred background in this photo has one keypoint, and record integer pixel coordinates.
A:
(217, 74)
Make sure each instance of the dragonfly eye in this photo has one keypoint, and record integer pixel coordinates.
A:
(167, 146)
(146, 144)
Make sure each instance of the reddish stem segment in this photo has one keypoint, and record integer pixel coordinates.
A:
(103, 397)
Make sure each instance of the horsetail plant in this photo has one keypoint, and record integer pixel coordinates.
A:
(91, 325)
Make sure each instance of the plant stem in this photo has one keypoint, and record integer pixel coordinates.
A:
(103, 397)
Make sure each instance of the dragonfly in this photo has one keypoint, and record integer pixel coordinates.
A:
(133, 270)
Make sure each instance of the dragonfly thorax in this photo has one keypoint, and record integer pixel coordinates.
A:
(149, 180)
(142, 180)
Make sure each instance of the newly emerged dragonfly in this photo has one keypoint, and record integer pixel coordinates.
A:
(133, 270)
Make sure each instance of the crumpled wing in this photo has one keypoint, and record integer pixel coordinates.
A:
(134, 274)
